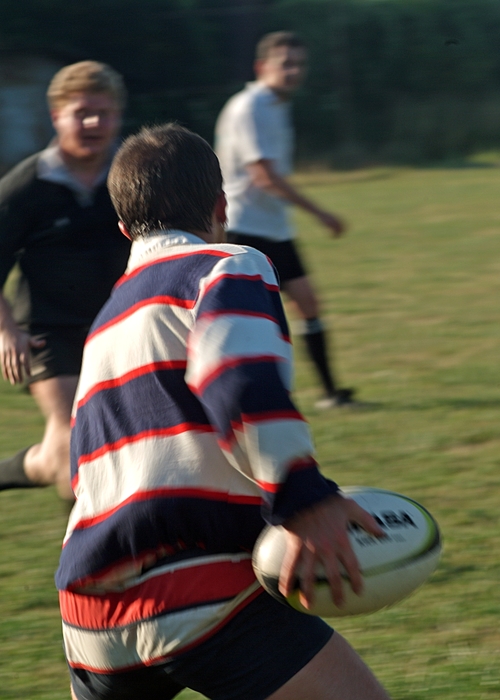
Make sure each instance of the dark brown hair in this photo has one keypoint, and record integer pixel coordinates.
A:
(276, 39)
(165, 177)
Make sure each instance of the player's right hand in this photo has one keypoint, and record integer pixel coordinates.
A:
(336, 225)
(15, 353)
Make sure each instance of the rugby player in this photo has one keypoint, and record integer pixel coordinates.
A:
(58, 224)
(185, 442)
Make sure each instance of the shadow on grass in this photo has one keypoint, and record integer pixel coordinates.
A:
(446, 573)
(355, 407)
(458, 404)
(458, 164)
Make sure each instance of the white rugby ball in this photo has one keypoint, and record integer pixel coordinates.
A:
(392, 566)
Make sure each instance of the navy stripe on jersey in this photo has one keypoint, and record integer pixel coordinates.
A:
(303, 488)
(176, 279)
(158, 524)
(239, 294)
(238, 390)
(207, 252)
(100, 424)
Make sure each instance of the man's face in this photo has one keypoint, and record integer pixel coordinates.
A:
(87, 125)
(283, 70)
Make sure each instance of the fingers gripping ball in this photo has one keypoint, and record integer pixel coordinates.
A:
(392, 566)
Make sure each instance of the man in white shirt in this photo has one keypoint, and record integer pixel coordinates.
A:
(254, 142)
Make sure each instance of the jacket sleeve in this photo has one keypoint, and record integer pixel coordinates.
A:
(14, 214)
(240, 367)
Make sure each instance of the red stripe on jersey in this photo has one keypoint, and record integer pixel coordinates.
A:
(176, 652)
(229, 439)
(263, 416)
(297, 465)
(145, 434)
(248, 278)
(304, 463)
(133, 273)
(160, 299)
(129, 376)
(183, 588)
(205, 494)
(231, 363)
(209, 315)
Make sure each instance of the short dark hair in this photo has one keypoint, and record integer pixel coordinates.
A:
(276, 39)
(165, 177)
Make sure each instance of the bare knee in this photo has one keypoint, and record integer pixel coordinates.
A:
(48, 462)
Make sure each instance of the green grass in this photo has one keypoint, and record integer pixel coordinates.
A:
(411, 296)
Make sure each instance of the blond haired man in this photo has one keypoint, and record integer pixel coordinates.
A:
(58, 224)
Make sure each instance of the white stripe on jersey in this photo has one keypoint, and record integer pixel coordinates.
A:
(108, 480)
(216, 341)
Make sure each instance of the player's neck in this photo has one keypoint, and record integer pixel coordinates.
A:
(85, 170)
(281, 95)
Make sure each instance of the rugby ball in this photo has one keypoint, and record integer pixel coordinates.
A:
(392, 566)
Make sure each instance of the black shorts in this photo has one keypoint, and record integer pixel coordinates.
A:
(252, 656)
(61, 354)
(283, 253)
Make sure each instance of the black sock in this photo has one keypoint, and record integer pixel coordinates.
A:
(316, 346)
(12, 474)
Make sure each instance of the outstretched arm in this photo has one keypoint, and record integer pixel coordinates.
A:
(264, 176)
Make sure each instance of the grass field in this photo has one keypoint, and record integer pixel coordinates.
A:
(411, 294)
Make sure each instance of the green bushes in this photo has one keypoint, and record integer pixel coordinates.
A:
(399, 80)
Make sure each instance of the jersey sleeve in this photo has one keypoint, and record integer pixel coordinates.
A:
(14, 223)
(239, 366)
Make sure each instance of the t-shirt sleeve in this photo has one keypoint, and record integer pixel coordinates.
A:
(239, 366)
(254, 133)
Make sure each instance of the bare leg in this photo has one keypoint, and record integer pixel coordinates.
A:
(304, 299)
(48, 462)
(335, 673)
(302, 296)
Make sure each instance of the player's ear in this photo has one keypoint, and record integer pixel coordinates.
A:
(257, 67)
(122, 228)
(220, 208)
(54, 117)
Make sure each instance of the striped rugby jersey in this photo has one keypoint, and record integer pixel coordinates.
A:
(185, 441)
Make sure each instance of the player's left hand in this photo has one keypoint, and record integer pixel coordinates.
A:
(320, 535)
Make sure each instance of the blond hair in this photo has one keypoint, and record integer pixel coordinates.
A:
(87, 77)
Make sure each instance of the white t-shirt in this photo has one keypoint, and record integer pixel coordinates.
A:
(255, 125)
